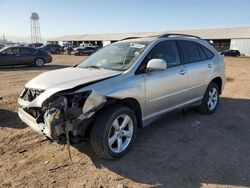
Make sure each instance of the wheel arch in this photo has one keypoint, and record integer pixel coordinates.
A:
(218, 81)
(131, 103)
(128, 102)
(39, 57)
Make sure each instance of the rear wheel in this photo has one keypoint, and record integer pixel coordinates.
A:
(39, 62)
(210, 100)
(114, 132)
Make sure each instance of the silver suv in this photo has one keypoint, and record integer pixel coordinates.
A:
(123, 87)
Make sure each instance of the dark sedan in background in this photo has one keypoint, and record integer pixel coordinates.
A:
(84, 50)
(35, 45)
(234, 53)
(51, 48)
(23, 56)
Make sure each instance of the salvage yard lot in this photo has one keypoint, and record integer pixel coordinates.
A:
(179, 150)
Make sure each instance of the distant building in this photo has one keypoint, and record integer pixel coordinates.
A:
(224, 38)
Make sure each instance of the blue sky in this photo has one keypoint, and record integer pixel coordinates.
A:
(61, 17)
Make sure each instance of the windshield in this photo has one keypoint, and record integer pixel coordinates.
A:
(117, 56)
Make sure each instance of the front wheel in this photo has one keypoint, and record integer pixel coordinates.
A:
(39, 62)
(210, 99)
(113, 132)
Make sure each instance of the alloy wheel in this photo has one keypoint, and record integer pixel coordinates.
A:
(212, 98)
(39, 62)
(120, 133)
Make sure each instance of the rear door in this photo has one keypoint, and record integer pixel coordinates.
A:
(198, 60)
(165, 90)
(27, 55)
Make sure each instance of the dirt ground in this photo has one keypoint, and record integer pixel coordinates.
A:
(178, 150)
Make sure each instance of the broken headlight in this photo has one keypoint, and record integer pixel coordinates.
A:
(30, 94)
(71, 99)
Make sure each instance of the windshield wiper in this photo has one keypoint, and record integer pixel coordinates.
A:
(97, 67)
(93, 67)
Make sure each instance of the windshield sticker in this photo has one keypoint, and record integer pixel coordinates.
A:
(135, 45)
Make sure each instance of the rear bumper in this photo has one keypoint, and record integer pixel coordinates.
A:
(30, 121)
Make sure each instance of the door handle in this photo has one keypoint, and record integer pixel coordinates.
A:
(182, 72)
(209, 65)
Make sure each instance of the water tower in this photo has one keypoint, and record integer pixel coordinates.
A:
(35, 28)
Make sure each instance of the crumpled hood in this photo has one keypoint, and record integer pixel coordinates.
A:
(68, 78)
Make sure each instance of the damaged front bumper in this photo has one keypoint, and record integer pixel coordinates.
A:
(40, 128)
(66, 114)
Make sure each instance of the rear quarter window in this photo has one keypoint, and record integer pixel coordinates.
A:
(208, 53)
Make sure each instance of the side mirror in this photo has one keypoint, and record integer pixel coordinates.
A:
(156, 65)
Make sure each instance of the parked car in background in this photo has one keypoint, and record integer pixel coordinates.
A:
(68, 50)
(234, 53)
(121, 88)
(68, 44)
(35, 45)
(51, 48)
(23, 56)
(84, 50)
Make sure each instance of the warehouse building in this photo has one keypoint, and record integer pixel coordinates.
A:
(237, 38)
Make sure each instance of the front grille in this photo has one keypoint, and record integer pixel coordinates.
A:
(30, 94)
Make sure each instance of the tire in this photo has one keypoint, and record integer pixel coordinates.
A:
(39, 62)
(210, 100)
(107, 132)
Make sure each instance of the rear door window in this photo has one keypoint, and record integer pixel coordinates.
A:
(27, 51)
(190, 51)
(194, 52)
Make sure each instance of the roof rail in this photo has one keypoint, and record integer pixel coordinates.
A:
(128, 38)
(178, 34)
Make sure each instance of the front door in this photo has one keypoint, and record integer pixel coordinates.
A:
(165, 90)
(10, 56)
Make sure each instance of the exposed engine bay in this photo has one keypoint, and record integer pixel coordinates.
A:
(70, 115)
